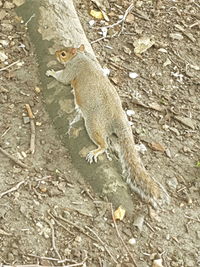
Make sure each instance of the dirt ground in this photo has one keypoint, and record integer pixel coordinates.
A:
(48, 215)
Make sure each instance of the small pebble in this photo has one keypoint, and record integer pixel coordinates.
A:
(132, 241)
(133, 75)
(130, 112)
(26, 120)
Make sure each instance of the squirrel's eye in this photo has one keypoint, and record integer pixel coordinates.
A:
(63, 54)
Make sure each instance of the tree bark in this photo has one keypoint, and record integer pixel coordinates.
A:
(53, 24)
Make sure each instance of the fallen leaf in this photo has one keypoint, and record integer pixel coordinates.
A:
(130, 18)
(157, 147)
(37, 89)
(142, 44)
(96, 14)
(157, 263)
(167, 62)
(119, 213)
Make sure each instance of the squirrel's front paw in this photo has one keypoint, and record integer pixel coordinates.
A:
(50, 73)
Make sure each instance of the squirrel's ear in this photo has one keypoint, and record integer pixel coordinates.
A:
(82, 48)
(73, 51)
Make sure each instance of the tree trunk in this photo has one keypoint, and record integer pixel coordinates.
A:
(53, 24)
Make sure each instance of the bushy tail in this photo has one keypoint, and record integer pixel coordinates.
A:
(136, 175)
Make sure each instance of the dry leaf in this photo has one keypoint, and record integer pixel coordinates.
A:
(157, 263)
(119, 213)
(142, 44)
(130, 18)
(37, 89)
(157, 147)
(96, 14)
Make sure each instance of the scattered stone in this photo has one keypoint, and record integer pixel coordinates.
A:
(8, 5)
(132, 241)
(141, 148)
(26, 119)
(7, 27)
(139, 222)
(106, 71)
(130, 112)
(92, 22)
(3, 14)
(4, 43)
(172, 183)
(18, 2)
(168, 153)
(133, 75)
(162, 50)
(3, 56)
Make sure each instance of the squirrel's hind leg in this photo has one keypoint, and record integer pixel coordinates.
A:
(100, 141)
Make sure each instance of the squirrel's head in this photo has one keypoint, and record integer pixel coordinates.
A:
(66, 54)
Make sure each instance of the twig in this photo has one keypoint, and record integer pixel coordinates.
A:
(101, 241)
(77, 227)
(14, 188)
(139, 15)
(60, 224)
(13, 159)
(42, 257)
(99, 39)
(29, 19)
(32, 141)
(8, 129)
(53, 237)
(117, 230)
(50, 258)
(123, 18)
(12, 64)
(191, 218)
(150, 227)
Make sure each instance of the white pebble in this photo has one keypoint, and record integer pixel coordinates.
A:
(106, 71)
(141, 148)
(133, 75)
(132, 241)
(91, 22)
(3, 56)
(130, 112)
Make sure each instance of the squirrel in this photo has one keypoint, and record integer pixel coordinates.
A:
(98, 102)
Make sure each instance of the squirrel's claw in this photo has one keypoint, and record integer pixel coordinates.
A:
(91, 157)
(50, 73)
